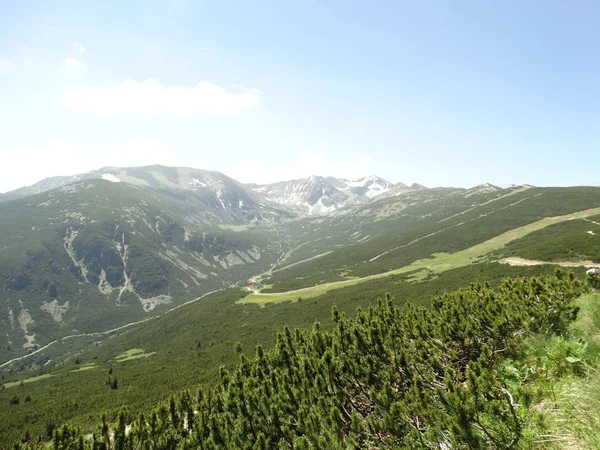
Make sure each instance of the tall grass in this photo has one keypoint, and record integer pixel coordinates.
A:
(568, 414)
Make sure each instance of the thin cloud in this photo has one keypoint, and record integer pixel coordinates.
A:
(65, 157)
(80, 48)
(7, 67)
(72, 65)
(148, 98)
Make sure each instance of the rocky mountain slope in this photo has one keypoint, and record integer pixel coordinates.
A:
(94, 255)
(314, 196)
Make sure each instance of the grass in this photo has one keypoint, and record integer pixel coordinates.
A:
(513, 192)
(84, 367)
(28, 380)
(439, 262)
(133, 353)
(566, 370)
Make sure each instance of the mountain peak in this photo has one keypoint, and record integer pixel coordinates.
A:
(313, 195)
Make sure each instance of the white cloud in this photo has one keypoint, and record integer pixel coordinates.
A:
(308, 163)
(142, 99)
(80, 48)
(7, 67)
(71, 65)
(63, 157)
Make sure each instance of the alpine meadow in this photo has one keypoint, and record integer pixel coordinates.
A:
(299, 225)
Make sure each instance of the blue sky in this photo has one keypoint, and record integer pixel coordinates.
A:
(438, 93)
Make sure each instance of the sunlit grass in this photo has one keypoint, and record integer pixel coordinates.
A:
(84, 367)
(28, 380)
(133, 353)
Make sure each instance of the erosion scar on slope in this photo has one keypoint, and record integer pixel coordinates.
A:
(516, 261)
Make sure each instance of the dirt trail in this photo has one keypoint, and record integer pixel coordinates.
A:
(516, 261)
(100, 333)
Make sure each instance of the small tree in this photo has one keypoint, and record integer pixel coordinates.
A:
(50, 429)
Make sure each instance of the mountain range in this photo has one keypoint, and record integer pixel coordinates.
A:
(133, 272)
(99, 250)
(307, 196)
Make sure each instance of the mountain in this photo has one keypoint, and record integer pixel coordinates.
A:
(414, 245)
(94, 255)
(319, 195)
(83, 260)
(119, 245)
(238, 202)
(227, 200)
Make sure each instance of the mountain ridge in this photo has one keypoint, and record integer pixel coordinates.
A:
(313, 195)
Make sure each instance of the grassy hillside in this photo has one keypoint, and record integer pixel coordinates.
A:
(574, 240)
(439, 232)
(413, 246)
(196, 340)
(391, 376)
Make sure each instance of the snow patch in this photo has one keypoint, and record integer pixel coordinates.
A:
(197, 183)
(220, 199)
(376, 189)
(110, 177)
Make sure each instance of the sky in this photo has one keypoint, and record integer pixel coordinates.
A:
(433, 92)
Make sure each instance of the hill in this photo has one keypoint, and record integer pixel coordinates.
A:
(98, 254)
(94, 275)
(391, 376)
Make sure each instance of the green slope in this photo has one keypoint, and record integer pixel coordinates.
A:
(445, 229)
(421, 236)
(189, 344)
(389, 377)
(95, 255)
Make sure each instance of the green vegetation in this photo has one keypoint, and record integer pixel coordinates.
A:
(415, 246)
(412, 238)
(391, 377)
(573, 240)
(193, 341)
(27, 380)
(133, 353)
(438, 262)
(320, 255)
(66, 255)
(84, 367)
